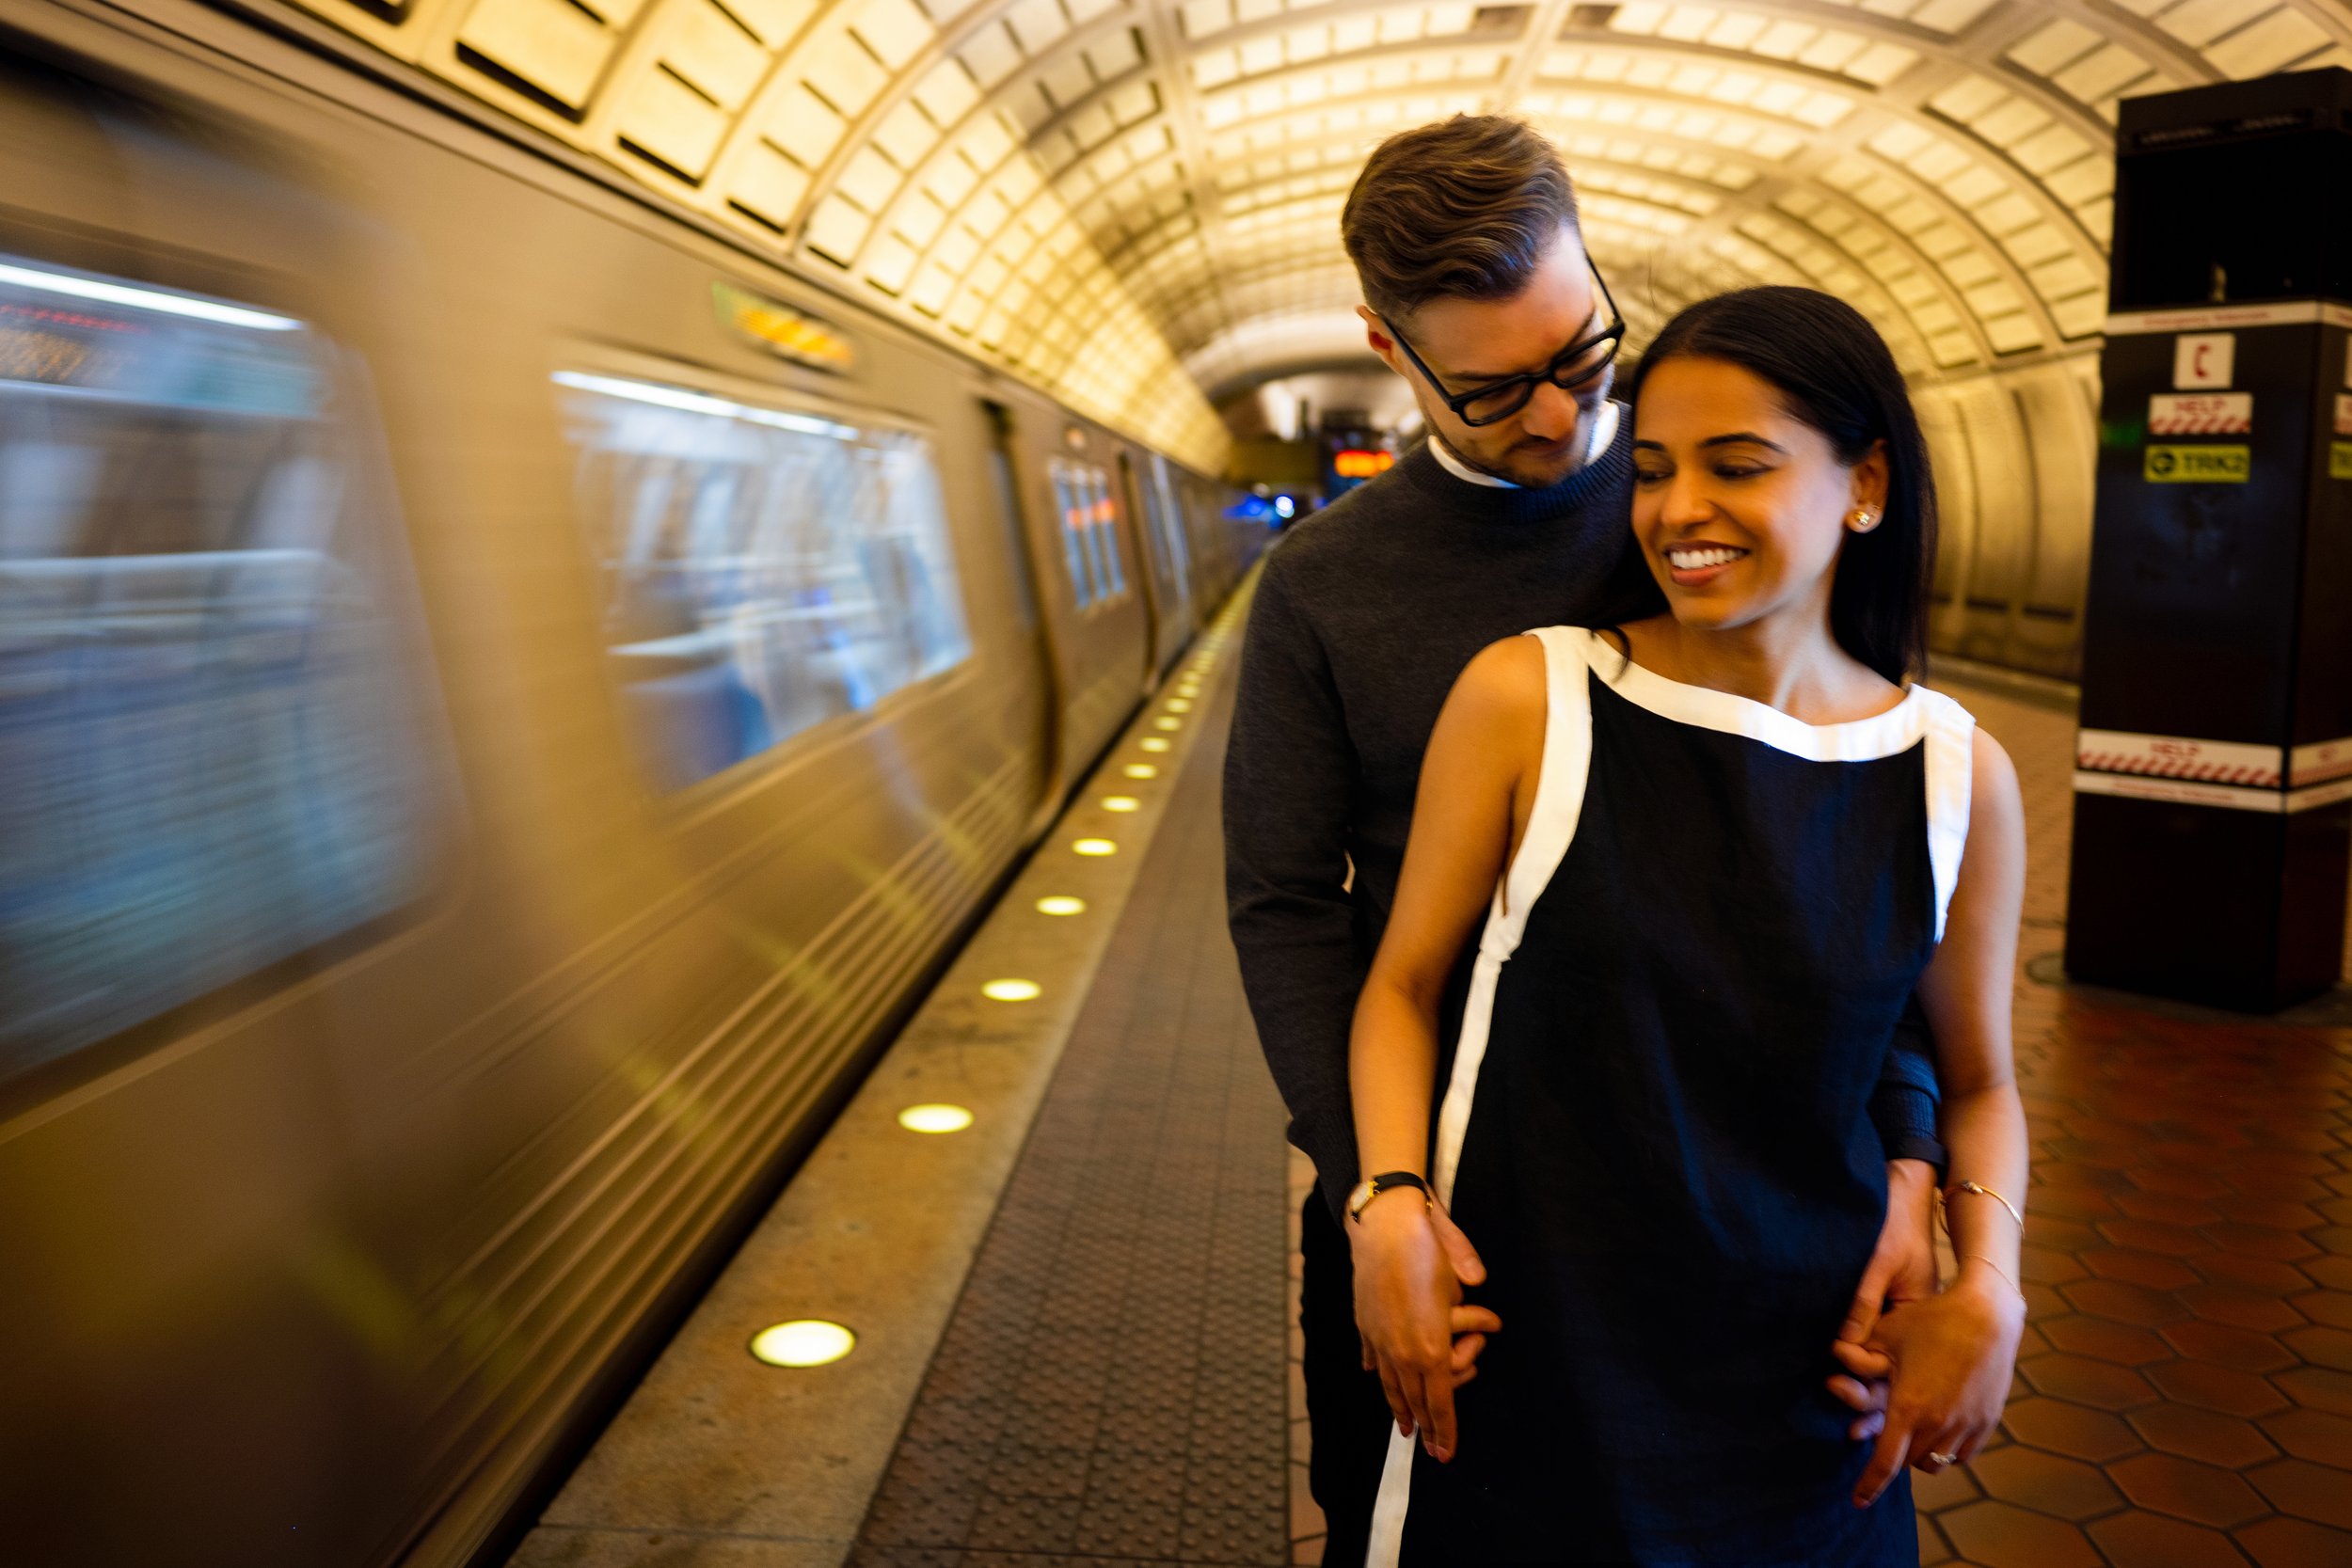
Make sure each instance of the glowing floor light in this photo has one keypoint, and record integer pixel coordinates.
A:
(1012, 991)
(1121, 803)
(1179, 705)
(1140, 770)
(1169, 724)
(934, 1119)
(1095, 846)
(1060, 903)
(1152, 743)
(803, 1343)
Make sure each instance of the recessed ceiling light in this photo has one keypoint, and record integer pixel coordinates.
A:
(1012, 991)
(803, 1343)
(1061, 904)
(1095, 846)
(934, 1119)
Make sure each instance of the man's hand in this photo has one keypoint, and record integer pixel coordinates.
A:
(1903, 1266)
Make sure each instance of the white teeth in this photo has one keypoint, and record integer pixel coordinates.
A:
(1693, 560)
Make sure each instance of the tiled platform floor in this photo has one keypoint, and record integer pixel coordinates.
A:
(1108, 1391)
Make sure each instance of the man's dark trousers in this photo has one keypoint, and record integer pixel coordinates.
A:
(1345, 1409)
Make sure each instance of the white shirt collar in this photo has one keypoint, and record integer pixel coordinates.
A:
(1604, 432)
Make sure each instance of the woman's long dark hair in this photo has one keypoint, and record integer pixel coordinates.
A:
(1832, 371)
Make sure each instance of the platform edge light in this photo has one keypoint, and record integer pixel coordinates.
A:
(137, 298)
(935, 1117)
(803, 1343)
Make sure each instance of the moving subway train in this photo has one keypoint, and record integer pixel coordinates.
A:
(503, 697)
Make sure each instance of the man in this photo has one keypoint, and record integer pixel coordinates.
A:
(1515, 514)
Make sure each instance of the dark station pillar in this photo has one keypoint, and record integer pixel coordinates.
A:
(2213, 784)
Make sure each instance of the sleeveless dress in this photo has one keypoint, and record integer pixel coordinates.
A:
(1655, 1127)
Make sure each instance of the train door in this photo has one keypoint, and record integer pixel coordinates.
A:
(1091, 600)
(1033, 593)
(1161, 540)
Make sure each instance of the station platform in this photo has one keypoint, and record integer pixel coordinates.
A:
(1074, 1323)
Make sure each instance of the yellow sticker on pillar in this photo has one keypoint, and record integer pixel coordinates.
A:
(2199, 465)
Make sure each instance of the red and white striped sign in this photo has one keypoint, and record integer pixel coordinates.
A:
(2320, 760)
(2170, 756)
(2201, 414)
(2188, 792)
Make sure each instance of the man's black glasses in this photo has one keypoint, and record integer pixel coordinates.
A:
(1573, 366)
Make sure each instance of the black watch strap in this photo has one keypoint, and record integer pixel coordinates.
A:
(1376, 1185)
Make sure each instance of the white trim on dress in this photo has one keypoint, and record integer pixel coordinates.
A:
(1551, 821)
(1948, 729)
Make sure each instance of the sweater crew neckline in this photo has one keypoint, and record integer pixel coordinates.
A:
(1605, 475)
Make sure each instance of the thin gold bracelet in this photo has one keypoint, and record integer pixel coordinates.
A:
(1978, 1189)
(1998, 1269)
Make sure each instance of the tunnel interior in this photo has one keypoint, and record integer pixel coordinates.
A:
(1134, 206)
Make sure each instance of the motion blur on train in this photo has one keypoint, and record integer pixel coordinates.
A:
(505, 695)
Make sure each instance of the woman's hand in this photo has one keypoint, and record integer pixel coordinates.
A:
(1409, 1310)
(1949, 1357)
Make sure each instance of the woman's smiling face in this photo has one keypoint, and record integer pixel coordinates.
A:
(1739, 506)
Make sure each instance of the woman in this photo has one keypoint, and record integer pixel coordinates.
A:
(1715, 851)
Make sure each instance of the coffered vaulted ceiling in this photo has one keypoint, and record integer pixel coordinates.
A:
(1134, 203)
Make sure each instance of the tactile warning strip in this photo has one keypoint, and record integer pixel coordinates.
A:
(1111, 1388)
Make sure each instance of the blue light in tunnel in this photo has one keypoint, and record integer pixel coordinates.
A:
(1284, 506)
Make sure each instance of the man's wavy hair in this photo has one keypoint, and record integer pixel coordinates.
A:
(1463, 209)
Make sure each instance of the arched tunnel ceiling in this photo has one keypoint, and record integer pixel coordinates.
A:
(1131, 202)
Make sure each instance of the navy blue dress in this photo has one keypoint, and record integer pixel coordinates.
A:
(1656, 1130)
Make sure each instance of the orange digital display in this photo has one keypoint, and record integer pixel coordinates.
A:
(781, 329)
(1356, 462)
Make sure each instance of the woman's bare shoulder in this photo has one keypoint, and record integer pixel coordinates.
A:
(1505, 680)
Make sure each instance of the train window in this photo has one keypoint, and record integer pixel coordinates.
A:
(1106, 529)
(764, 569)
(1076, 553)
(210, 701)
(1089, 532)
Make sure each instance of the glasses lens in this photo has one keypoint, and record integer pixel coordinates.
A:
(1498, 404)
(1585, 365)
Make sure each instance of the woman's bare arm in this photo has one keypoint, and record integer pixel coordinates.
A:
(1952, 1355)
(1477, 781)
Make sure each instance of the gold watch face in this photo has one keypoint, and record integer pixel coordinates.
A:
(1357, 1199)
